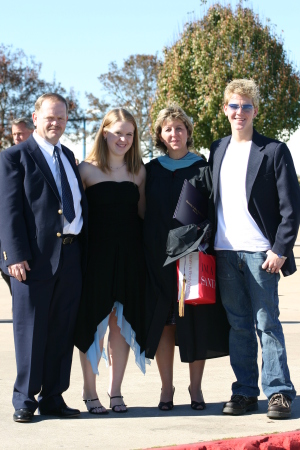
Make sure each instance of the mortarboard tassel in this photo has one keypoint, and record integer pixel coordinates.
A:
(181, 301)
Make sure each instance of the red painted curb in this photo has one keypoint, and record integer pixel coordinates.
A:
(280, 441)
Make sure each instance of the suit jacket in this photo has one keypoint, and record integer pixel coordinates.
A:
(272, 192)
(29, 210)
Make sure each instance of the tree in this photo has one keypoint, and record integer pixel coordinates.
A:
(20, 86)
(133, 87)
(224, 45)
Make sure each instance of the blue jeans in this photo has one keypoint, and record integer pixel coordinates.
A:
(250, 297)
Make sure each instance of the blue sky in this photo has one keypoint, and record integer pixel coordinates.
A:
(76, 40)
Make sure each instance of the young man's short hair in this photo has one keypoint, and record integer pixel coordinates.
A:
(244, 87)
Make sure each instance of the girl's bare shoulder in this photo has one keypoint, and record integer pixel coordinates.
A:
(86, 167)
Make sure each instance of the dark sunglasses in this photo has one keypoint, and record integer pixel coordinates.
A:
(245, 108)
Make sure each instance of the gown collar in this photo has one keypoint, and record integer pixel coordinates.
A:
(174, 164)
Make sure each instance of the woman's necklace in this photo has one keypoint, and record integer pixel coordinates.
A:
(117, 168)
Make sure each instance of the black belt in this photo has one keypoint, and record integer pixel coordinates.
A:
(69, 238)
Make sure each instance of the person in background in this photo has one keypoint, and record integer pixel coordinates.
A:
(21, 129)
(203, 331)
(257, 200)
(43, 212)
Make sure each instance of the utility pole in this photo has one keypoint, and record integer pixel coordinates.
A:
(84, 138)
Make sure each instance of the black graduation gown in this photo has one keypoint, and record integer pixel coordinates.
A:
(203, 331)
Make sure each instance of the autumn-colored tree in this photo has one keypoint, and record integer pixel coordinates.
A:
(223, 45)
(20, 87)
(131, 86)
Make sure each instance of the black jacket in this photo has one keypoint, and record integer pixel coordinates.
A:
(272, 191)
(29, 210)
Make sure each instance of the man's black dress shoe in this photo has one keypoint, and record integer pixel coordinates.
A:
(63, 411)
(239, 404)
(22, 415)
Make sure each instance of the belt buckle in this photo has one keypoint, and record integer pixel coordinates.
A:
(67, 240)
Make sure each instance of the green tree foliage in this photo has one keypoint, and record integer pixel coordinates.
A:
(20, 87)
(131, 86)
(227, 44)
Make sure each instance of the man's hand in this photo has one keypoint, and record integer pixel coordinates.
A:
(273, 264)
(18, 270)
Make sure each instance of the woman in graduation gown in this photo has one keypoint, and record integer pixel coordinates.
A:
(203, 331)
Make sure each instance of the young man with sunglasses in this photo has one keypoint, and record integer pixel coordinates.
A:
(257, 200)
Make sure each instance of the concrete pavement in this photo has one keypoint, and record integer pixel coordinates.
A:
(144, 426)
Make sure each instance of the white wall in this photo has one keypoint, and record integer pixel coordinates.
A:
(77, 148)
(294, 146)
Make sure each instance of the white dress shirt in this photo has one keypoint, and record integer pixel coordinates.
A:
(48, 151)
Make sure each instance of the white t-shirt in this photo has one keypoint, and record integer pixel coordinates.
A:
(236, 230)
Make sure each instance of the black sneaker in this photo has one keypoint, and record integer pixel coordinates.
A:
(239, 404)
(279, 407)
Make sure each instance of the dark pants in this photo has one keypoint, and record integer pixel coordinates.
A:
(44, 319)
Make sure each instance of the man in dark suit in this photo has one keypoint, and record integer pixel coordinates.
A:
(42, 232)
(257, 200)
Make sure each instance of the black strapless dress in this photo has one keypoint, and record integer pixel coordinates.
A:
(115, 276)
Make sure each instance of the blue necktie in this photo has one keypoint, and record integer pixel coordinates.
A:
(66, 193)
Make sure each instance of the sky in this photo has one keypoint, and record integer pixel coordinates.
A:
(76, 40)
